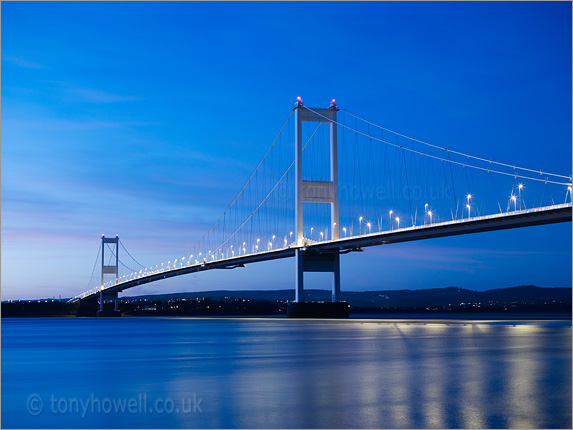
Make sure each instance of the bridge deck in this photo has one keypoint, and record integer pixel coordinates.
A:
(516, 219)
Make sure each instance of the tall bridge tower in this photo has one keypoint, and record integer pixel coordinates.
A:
(319, 192)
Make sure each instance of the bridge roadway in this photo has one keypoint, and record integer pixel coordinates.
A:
(515, 219)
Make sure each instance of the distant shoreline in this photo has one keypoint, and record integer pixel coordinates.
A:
(458, 317)
(449, 302)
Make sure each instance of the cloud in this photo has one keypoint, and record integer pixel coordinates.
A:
(98, 96)
(67, 124)
(22, 62)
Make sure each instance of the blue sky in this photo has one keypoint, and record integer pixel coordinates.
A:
(128, 117)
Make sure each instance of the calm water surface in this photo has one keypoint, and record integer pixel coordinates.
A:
(278, 373)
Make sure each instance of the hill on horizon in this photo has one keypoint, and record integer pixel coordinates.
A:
(389, 298)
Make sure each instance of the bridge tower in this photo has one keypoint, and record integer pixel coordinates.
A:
(108, 269)
(320, 192)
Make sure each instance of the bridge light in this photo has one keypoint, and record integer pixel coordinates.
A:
(520, 186)
(514, 200)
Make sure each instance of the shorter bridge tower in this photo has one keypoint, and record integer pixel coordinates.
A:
(112, 269)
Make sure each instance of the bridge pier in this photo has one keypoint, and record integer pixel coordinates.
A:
(310, 261)
(102, 312)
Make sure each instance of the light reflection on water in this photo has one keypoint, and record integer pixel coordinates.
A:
(290, 373)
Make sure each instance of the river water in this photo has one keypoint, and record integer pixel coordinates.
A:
(279, 373)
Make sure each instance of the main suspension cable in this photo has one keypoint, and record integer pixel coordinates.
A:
(456, 152)
(127, 252)
(515, 175)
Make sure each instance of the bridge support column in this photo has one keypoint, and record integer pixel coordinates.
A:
(309, 261)
(299, 280)
(336, 279)
(103, 297)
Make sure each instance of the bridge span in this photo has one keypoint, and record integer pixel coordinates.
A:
(517, 219)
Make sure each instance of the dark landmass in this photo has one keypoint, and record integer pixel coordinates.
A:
(450, 300)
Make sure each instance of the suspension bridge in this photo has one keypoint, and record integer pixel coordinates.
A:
(332, 183)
